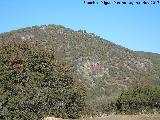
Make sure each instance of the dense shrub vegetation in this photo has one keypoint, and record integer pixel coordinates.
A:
(142, 99)
(34, 85)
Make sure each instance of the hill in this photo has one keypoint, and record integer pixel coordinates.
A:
(106, 69)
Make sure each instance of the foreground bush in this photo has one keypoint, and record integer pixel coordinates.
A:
(138, 100)
(34, 85)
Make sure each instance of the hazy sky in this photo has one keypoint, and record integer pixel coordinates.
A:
(136, 27)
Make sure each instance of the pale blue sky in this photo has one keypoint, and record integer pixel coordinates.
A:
(136, 27)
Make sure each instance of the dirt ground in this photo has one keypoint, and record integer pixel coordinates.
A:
(117, 117)
(126, 117)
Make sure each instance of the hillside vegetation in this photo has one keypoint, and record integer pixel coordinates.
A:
(35, 59)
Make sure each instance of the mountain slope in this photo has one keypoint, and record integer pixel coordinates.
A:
(104, 67)
(155, 58)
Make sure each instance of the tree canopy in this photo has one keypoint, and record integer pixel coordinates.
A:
(34, 85)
